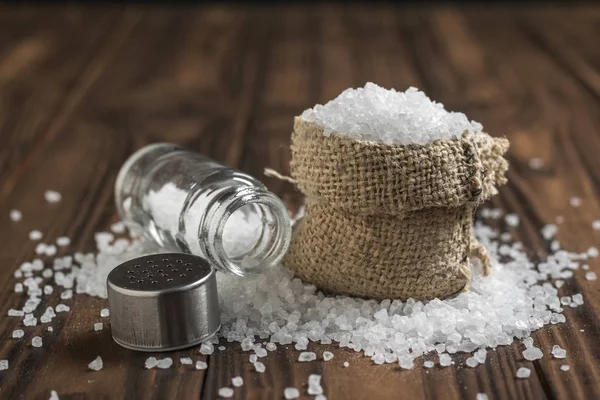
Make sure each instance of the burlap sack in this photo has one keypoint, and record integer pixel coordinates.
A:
(390, 222)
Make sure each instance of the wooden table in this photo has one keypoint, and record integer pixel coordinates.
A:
(82, 88)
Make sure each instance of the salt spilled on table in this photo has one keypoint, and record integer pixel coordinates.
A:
(52, 196)
(15, 215)
(3, 365)
(558, 352)
(291, 393)
(96, 364)
(523, 373)
(226, 392)
(237, 381)
(186, 361)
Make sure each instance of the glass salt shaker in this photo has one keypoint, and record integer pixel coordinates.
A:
(190, 203)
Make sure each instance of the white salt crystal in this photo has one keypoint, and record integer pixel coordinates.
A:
(472, 362)
(253, 358)
(327, 355)
(560, 219)
(575, 201)
(67, 294)
(564, 367)
(314, 385)
(578, 299)
(405, 361)
(35, 235)
(523, 373)
(18, 334)
(536, 163)
(346, 364)
(104, 312)
(186, 361)
(445, 360)
(532, 353)
(596, 225)
(237, 381)
(50, 329)
(226, 392)
(260, 352)
(585, 267)
(62, 308)
(307, 356)
(165, 363)
(512, 219)
(98, 326)
(481, 396)
(53, 395)
(559, 283)
(150, 363)
(201, 365)
(118, 227)
(320, 397)
(593, 252)
(428, 364)
(548, 231)
(558, 352)
(376, 114)
(63, 241)
(271, 346)
(590, 276)
(18, 288)
(480, 355)
(36, 341)
(15, 215)
(291, 393)
(52, 196)
(96, 365)
(259, 367)
(51, 250)
(40, 248)
(207, 349)
(221, 348)
(3, 365)
(29, 320)
(48, 290)
(15, 313)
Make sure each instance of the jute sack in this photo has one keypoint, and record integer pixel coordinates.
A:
(390, 222)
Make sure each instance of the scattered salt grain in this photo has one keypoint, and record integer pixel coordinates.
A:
(201, 365)
(62, 308)
(593, 252)
(523, 373)
(445, 360)
(480, 355)
(314, 385)
(472, 362)
(52, 196)
(320, 397)
(536, 163)
(291, 393)
(67, 294)
(406, 361)
(3, 365)
(165, 363)
(428, 364)
(575, 201)
(237, 381)
(63, 241)
(578, 299)
(118, 227)
(558, 352)
(35, 235)
(15, 313)
(253, 358)
(186, 361)
(259, 367)
(327, 355)
(150, 363)
(307, 356)
(596, 225)
(53, 395)
(559, 283)
(590, 276)
(548, 231)
(533, 353)
(104, 312)
(18, 287)
(15, 215)
(29, 320)
(271, 346)
(346, 364)
(221, 348)
(98, 326)
(376, 114)
(50, 329)
(18, 334)
(36, 341)
(564, 367)
(260, 352)
(481, 396)
(207, 349)
(512, 219)
(226, 392)
(96, 365)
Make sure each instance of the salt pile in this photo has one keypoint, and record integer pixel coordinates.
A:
(376, 114)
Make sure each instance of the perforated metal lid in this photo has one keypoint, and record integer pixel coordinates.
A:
(163, 302)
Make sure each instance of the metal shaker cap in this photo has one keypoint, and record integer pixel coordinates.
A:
(163, 302)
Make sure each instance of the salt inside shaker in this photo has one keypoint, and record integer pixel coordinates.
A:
(190, 203)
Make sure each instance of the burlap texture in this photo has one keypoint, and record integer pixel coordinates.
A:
(389, 222)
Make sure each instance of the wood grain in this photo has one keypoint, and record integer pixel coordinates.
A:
(83, 87)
